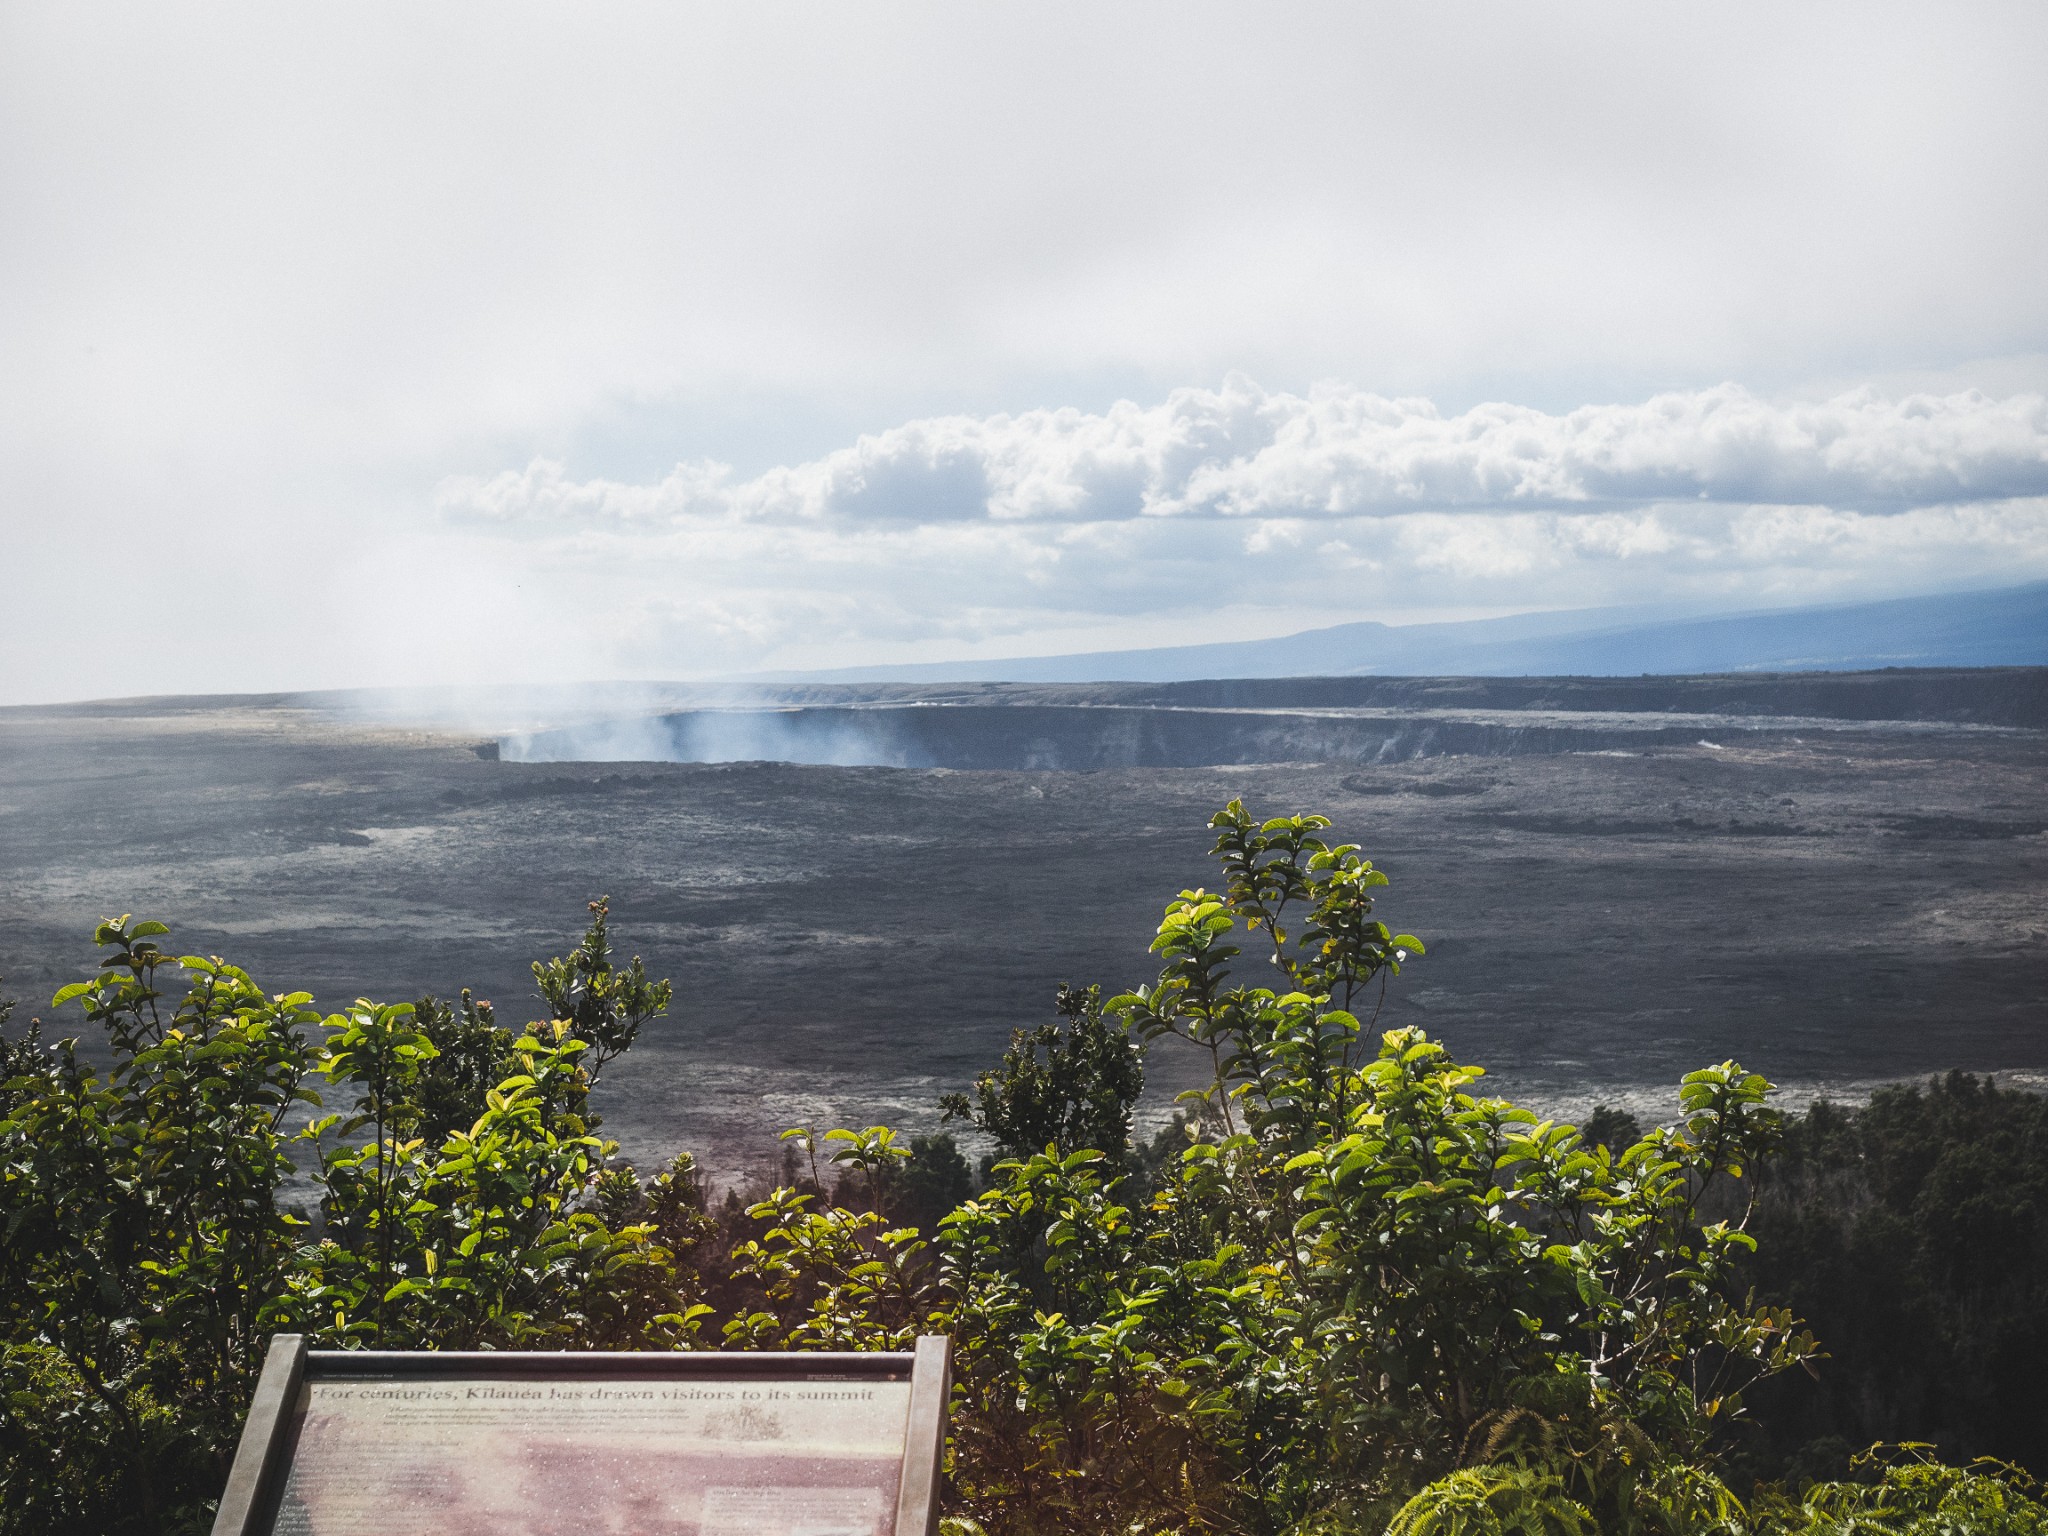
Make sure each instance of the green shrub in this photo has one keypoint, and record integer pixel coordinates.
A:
(1368, 1278)
(1909, 1493)
(153, 1244)
(1913, 1232)
(1493, 1501)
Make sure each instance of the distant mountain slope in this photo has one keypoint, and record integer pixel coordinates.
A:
(2006, 627)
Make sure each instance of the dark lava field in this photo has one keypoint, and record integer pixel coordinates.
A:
(1837, 887)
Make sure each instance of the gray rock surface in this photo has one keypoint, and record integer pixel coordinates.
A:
(1833, 904)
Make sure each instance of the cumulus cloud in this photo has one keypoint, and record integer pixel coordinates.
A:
(1334, 453)
(1220, 513)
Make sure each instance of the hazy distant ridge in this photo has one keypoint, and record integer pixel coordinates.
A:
(2005, 627)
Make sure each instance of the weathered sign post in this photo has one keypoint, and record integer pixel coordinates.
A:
(362, 1443)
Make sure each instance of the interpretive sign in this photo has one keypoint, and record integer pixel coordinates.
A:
(362, 1443)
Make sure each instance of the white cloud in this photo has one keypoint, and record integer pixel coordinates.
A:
(1265, 512)
(1241, 452)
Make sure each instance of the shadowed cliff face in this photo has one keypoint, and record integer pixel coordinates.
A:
(1092, 738)
(1233, 722)
(2009, 696)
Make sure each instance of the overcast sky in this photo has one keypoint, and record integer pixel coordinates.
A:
(380, 344)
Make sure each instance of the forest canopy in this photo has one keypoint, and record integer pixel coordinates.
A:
(1346, 1291)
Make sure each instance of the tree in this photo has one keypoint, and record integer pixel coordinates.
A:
(605, 1008)
(1914, 1233)
(1066, 1086)
(146, 1241)
(1370, 1277)
(151, 1247)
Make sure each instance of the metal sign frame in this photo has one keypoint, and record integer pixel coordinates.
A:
(248, 1506)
